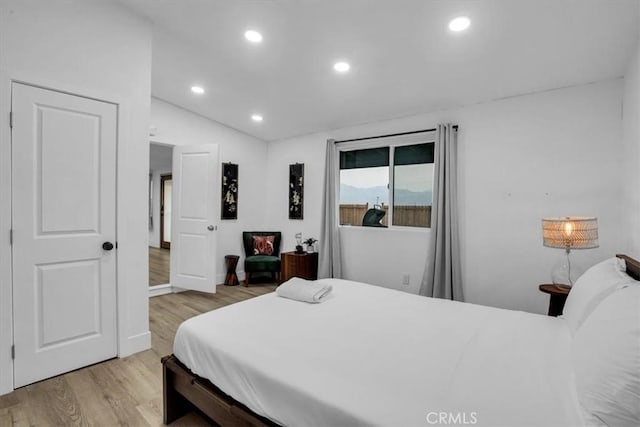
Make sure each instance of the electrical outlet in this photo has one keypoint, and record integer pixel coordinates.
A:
(406, 279)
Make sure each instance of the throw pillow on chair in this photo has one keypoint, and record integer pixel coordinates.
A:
(263, 245)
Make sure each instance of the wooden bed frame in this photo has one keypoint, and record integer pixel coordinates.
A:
(633, 266)
(183, 391)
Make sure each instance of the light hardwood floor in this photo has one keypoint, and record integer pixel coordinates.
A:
(159, 260)
(119, 391)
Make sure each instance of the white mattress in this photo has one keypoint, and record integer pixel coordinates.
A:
(374, 356)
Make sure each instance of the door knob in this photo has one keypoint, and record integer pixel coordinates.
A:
(211, 228)
(107, 246)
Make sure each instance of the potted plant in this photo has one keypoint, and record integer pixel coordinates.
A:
(309, 242)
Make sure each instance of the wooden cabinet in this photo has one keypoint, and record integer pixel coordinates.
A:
(303, 265)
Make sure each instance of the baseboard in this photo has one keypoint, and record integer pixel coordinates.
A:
(165, 289)
(157, 290)
(136, 344)
(6, 388)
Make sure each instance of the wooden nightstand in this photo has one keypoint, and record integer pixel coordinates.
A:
(558, 296)
(303, 265)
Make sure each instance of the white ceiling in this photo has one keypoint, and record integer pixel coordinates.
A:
(403, 58)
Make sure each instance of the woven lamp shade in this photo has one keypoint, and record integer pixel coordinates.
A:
(575, 232)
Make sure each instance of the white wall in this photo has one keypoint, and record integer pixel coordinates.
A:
(310, 150)
(631, 155)
(181, 127)
(547, 154)
(97, 49)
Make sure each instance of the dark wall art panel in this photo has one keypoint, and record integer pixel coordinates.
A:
(229, 191)
(296, 191)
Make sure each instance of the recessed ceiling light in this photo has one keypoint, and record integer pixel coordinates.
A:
(460, 23)
(256, 117)
(197, 89)
(253, 36)
(341, 67)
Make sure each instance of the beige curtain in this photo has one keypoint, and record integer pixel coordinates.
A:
(330, 264)
(442, 276)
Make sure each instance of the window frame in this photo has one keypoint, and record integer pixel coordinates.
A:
(390, 142)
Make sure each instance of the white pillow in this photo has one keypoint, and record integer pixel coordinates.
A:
(606, 359)
(591, 288)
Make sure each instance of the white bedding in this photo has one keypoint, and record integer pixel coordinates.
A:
(374, 356)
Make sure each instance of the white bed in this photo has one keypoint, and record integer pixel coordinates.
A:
(374, 356)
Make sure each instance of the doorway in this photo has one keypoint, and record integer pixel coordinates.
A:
(186, 224)
(160, 192)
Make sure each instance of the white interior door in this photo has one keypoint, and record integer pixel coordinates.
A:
(63, 202)
(193, 218)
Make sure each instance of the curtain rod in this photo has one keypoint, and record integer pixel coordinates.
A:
(391, 134)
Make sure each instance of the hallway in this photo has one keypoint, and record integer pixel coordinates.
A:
(158, 266)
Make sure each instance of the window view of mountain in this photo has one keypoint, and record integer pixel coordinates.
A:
(380, 194)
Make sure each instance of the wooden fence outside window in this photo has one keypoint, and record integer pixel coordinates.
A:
(410, 216)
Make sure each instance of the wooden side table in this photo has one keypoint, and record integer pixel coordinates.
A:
(558, 296)
(304, 265)
(231, 261)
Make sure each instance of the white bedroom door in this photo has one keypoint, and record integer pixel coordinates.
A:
(64, 223)
(193, 220)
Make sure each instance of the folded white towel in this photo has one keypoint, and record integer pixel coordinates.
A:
(304, 290)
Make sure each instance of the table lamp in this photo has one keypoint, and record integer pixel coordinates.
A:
(571, 232)
(299, 249)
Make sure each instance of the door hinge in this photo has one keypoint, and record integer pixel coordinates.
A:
(11, 237)
(11, 119)
(13, 352)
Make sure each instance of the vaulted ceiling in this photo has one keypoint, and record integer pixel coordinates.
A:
(404, 59)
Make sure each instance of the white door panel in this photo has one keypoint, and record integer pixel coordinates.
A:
(64, 212)
(63, 202)
(72, 281)
(193, 229)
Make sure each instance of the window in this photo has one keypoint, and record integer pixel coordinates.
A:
(413, 185)
(364, 185)
(396, 172)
